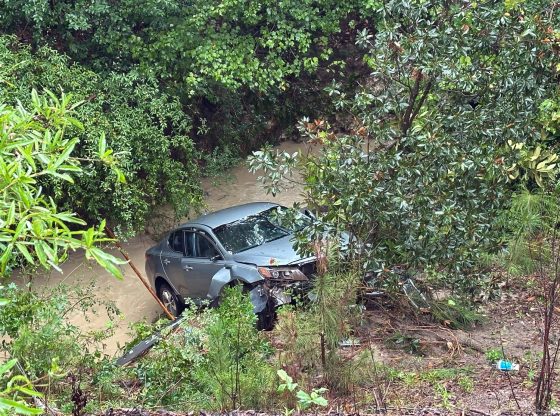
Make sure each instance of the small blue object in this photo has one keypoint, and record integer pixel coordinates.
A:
(504, 365)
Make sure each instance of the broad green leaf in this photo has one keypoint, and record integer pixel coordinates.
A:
(63, 176)
(23, 250)
(120, 175)
(101, 146)
(63, 157)
(7, 366)
(11, 214)
(20, 408)
(303, 397)
(536, 154)
(40, 250)
(320, 401)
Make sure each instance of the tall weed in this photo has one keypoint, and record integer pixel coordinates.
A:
(217, 361)
(310, 337)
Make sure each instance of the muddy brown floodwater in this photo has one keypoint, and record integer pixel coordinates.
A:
(129, 295)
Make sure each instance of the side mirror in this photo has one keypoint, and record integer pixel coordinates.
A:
(216, 258)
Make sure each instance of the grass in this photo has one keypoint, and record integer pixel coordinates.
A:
(455, 314)
(494, 354)
(466, 383)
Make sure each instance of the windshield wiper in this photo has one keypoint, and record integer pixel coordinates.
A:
(277, 238)
(249, 248)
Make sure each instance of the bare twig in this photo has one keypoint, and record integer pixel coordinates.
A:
(509, 377)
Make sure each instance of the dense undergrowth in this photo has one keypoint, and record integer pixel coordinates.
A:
(216, 359)
(178, 91)
(127, 109)
(319, 352)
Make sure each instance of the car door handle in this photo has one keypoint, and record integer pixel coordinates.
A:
(165, 261)
(187, 268)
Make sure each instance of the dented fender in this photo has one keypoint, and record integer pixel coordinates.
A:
(219, 280)
(243, 273)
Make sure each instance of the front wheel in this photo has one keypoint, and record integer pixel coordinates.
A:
(217, 301)
(169, 299)
(266, 318)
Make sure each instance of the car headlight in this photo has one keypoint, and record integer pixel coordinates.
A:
(284, 273)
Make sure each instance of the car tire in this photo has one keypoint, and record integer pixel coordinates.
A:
(217, 301)
(266, 318)
(170, 299)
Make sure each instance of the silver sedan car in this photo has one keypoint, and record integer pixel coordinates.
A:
(243, 245)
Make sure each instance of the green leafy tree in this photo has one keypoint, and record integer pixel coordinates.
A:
(550, 117)
(191, 55)
(255, 44)
(274, 55)
(424, 177)
(34, 146)
(147, 128)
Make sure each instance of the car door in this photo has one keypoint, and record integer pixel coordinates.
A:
(204, 262)
(190, 262)
(172, 263)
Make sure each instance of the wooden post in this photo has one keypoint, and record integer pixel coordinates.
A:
(131, 264)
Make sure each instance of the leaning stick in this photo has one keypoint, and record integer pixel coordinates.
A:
(111, 234)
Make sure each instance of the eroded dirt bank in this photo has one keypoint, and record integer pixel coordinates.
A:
(129, 295)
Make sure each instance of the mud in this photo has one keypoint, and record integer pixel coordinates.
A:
(129, 295)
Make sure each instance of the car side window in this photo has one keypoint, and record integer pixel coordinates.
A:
(177, 241)
(204, 248)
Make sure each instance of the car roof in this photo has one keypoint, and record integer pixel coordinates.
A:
(231, 214)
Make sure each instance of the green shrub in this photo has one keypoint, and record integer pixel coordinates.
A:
(166, 373)
(19, 310)
(455, 314)
(310, 337)
(405, 342)
(235, 370)
(40, 334)
(50, 348)
(34, 149)
(494, 354)
(258, 45)
(216, 361)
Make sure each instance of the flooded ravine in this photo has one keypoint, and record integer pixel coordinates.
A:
(129, 295)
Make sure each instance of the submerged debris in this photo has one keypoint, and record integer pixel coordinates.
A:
(144, 346)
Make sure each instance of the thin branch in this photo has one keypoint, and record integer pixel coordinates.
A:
(406, 121)
(509, 378)
(425, 93)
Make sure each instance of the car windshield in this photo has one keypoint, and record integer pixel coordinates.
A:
(287, 219)
(251, 231)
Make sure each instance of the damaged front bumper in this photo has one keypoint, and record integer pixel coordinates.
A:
(259, 297)
(274, 293)
(263, 296)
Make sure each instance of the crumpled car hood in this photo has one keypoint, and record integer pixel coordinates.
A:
(274, 253)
